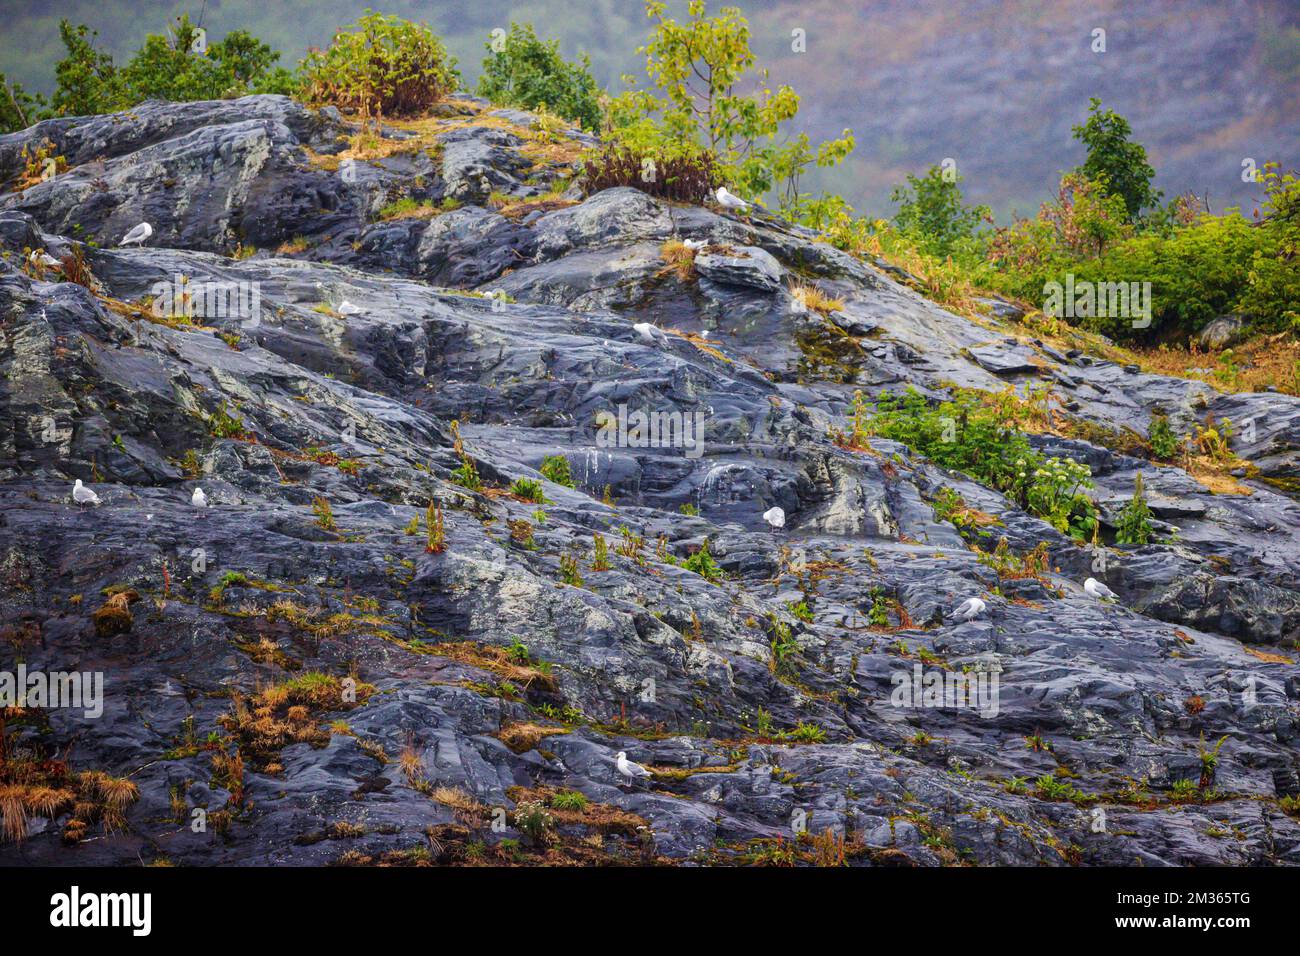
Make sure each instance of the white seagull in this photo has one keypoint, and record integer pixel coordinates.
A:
(969, 609)
(1095, 588)
(775, 517)
(728, 201)
(199, 499)
(648, 332)
(137, 235)
(347, 308)
(629, 769)
(83, 495)
(695, 245)
(41, 257)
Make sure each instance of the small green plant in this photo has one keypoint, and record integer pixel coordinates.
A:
(529, 490)
(600, 556)
(1164, 444)
(435, 531)
(1209, 761)
(800, 610)
(878, 616)
(555, 468)
(1134, 523)
(413, 526)
(689, 510)
(763, 723)
(702, 563)
(222, 424)
(806, 733)
(569, 570)
(534, 821)
(320, 507)
(568, 800)
(782, 643)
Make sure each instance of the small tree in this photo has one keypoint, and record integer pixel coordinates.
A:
(531, 73)
(87, 80)
(931, 210)
(18, 108)
(700, 69)
(1116, 161)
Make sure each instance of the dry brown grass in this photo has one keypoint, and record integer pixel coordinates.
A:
(1267, 360)
(679, 259)
(524, 736)
(815, 300)
(498, 661)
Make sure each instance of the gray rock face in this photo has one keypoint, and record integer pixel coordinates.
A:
(818, 681)
(1222, 332)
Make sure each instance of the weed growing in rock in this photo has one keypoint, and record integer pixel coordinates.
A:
(1134, 523)
(702, 563)
(1164, 444)
(320, 507)
(569, 573)
(555, 468)
(435, 532)
(600, 553)
(529, 490)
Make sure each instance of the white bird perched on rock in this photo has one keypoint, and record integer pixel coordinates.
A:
(43, 258)
(199, 499)
(775, 517)
(629, 769)
(695, 245)
(1095, 588)
(347, 308)
(137, 235)
(969, 609)
(83, 495)
(729, 201)
(648, 333)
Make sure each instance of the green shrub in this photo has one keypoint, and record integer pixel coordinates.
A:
(968, 435)
(685, 175)
(1134, 523)
(381, 66)
(556, 468)
(529, 490)
(932, 213)
(702, 563)
(1164, 443)
(531, 73)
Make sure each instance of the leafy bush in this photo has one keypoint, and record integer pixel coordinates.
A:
(970, 436)
(529, 490)
(685, 175)
(931, 211)
(531, 73)
(382, 66)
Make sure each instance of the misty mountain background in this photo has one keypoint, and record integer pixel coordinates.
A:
(993, 84)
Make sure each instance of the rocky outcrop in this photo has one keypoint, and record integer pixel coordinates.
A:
(775, 694)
